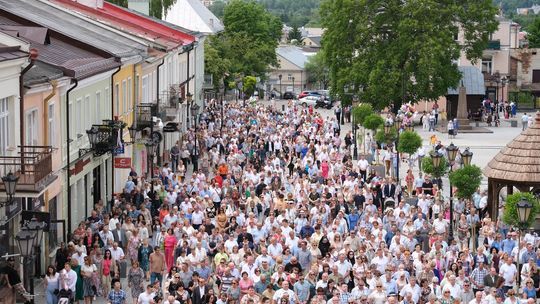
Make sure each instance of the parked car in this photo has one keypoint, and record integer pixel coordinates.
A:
(323, 103)
(326, 94)
(288, 95)
(306, 93)
(309, 100)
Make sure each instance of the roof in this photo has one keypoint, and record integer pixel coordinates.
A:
(73, 60)
(47, 15)
(11, 52)
(316, 39)
(125, 20)
(519, 161)
(473, 80)
(193, 15)
(293, 54)
(40, 73)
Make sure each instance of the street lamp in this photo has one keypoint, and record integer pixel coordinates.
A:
(524, 208)
(280, 91)
(293, 84)
(10, 184)
(466, 157)
(355, 128)
(436, 158)
(387, 127)
(452, 151)
(132, 133)
(26, 240)
(93, 136)
(189, 98)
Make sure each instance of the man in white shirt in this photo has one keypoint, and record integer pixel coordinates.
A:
(117, 254)
(440, 224)
(79, 256)
(508, 271)
(280, 293)
(363, 166)
(69, 278)
(146, 297)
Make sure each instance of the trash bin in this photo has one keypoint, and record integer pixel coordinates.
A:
(513, 123)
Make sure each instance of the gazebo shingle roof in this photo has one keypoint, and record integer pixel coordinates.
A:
(519, 161)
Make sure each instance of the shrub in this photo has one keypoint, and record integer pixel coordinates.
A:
(362, 111)
(373, 121)
(409, 142)
(510, 214)
(466, 180)
(382, 137)
(427, 167)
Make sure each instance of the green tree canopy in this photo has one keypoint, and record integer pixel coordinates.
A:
(409, 142)
(466, 180)
(533, 33)
(248, 44)
(373, 121)
(437, 172)
(295, 35)
(362, 111)
(510, 214)
(156, 9)
(385, 51)
(387, 138)
(317, 70)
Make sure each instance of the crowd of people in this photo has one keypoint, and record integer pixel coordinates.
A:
(267, 206)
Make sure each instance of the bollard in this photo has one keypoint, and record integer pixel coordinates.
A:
(283, 108)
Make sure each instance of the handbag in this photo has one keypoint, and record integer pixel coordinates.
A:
(56, 291)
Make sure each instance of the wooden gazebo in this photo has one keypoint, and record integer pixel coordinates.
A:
(517, 165)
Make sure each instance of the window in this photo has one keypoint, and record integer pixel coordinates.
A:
(137, 98)
(124, 97)
(98, 115)
(31, 128)
(117, 98)
(50, 125)
(130, 95)
(486, 65)
(289, 77)
(79, 117)
(87, 114)
(4, 125)
(145, 89)
(107, 98)
(536, 76)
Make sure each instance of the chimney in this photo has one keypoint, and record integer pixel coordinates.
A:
(91, 3)
(141, 6)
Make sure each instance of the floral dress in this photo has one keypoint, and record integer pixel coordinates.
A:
(133, 248)
(136, 281)
(145, 257)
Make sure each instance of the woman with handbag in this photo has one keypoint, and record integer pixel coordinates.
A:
(53, 285)
(87, 272)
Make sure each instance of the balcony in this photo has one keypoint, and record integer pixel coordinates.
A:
(494, 45)
(33, 166)
(144, 114)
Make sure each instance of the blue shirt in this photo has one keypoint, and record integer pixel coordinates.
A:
(117, 297)
(508, 245)
(302, 290)
(391, 287)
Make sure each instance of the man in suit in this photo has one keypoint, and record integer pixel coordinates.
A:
(200, 292)
(492, 279)
(389, 190)
(119, 235)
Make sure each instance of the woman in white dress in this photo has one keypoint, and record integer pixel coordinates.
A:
(53, 285)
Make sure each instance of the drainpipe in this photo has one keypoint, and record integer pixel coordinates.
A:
(33, 56)
(54, 85)
(112, 118)
(68, 156)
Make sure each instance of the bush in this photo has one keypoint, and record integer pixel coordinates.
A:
(510, 214)
(427, 167)
(382, 137)
(466, 180)
(362, 111)
(409, 142)
(373, 121)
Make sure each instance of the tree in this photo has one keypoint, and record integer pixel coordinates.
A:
(510, 214)
(362, 111)
(437, 172)
(317, 70)
(533, 33)
(373, 121)
(250, 83)
(295, 36)
(250, 38)
(156, 9)
(216, 64)
(466, 180)
(409, 142)
(385, 138)
(217, 8)
(389, 51)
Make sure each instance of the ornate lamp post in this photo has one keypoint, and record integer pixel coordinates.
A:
(10, 184)
(524, 208)
(29, 240)
(280, 91)
(355, 129)
(397, 124)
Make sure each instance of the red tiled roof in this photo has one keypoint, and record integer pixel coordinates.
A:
(130, 22)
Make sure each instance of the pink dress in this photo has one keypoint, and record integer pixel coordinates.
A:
(325, 168)
(170, 242)
(244, 285)
(133, 248)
